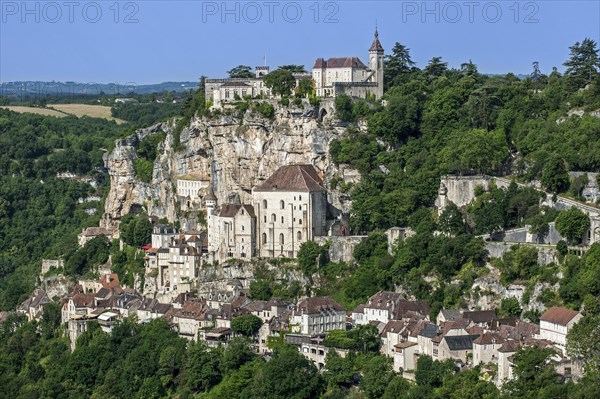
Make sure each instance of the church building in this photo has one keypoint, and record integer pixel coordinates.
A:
(289, 208)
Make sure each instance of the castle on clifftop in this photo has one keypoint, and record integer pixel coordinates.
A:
(331, 77)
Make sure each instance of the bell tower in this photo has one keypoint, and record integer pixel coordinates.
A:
(376, 63)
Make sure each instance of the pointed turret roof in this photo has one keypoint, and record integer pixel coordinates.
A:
(210, 196)
(376, 46)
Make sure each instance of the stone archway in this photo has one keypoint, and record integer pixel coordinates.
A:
(322, 114)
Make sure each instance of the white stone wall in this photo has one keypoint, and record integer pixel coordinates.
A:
(191, 188)
(286, 221)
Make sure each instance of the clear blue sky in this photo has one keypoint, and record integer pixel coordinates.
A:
(182, 40)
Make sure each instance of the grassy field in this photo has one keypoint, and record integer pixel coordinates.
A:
(94, 111)
(35, 110)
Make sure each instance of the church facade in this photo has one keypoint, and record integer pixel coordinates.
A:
(289, 208)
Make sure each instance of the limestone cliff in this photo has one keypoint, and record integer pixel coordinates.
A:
(237, 153)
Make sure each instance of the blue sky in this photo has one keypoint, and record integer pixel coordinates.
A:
(152, 41)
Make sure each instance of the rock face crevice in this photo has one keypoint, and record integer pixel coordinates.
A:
(237, 153)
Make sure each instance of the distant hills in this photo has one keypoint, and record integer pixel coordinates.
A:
(51, 89)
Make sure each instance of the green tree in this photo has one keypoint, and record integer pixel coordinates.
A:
(236, 354)
(247, 325)
(431, 373)
(572, 224)
(281, 82)
(376, 376)
(293, 68)
(261, 290)
(288, 375)
(451, 220)
(202, 368)
(583, 64)
(311, 256)
(583, 343)
(343, 107)
(305, 88)
(554, 175)
(533, 372)
(510, 307)
(436, 67)
(397, 63)
(240, 71)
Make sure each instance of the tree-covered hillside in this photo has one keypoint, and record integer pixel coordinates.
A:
(440, 121)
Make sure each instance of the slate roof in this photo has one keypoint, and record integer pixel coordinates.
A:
(231, 210)
(340, 62)
(210, 196)
(317, 304)
(460, 342)
(509, 346)
(403, 308)
(83, 300)
(451, 314)
(489, 338)
(38, 298)
(429, 331)
(393, 326)
(376, 46)
(303, 178)
(480, 316)
(559, 315)
(257, 306)
(382, 300)
(234, 84)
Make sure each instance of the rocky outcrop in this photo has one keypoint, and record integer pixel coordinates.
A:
(237, 154)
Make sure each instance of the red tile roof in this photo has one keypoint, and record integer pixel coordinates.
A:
(317, 304)
(293, 178)
(559, 315)
(340, 62)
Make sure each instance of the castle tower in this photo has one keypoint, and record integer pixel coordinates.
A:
(376, 63)
(210, 200)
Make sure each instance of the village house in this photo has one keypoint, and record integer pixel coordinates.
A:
(456, 347)
(151, 309)
(485, 348)
(90, 233)
(78, 303)
(405, 355)
(317, 315)
(385, 306)
(191, 190)
(232, 231)
(192, 317)
(555, 324)
(33, 306)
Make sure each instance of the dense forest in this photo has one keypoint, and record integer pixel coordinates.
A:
(46, 167)
(433, 121)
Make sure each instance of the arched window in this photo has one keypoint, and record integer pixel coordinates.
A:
(273, 218)
(299, 236)
(281, 239)
(282, 204)
(242, 227)
(265, 204)
(265, 218)
(264, 238)
(300, 198)
(299, 221)
(282, 219)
